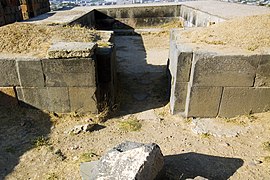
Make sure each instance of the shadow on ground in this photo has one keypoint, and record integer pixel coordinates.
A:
(20, 129)
(190, 165)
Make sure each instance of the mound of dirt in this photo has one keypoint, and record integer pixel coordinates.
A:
(32, 39)
(250, 33)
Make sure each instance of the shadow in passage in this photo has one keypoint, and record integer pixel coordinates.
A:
(142, 85)
(19, 129)
(190, 165)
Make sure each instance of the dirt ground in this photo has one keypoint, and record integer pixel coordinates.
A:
(37, 145)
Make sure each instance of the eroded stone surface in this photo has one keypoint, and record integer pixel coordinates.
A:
(71, 49)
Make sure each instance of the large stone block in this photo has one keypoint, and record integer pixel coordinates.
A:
(204, 101)
(58, 99)
(54, 99)
(69, 72)
(127, 161)
(184, 66)
(83, 99)
(224, 70)
(241, 100)
(8, 73)
(30, 73)
(263, 72)
(8, 97)
(33, 97)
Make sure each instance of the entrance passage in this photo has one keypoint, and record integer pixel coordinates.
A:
(141, 68)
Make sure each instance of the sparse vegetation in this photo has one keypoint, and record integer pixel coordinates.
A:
(206, 135)
(87, 157)
(266, 146)
(130, 125)
(266, 159)
(41, 141)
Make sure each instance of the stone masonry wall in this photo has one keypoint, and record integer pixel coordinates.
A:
(210, 84)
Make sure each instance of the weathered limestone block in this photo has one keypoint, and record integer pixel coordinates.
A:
(204, 101)
(184, 66)
(8, 74)
(30, 73)
(69, 72)
(127, 161)
(83, 99)
(224, 70)
(8, 97)
(48, 98)
(263, 72)
(241, 100)
(71, 50)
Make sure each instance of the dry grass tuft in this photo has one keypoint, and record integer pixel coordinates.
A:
(130, 125)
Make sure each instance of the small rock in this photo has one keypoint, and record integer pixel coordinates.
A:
(198, 178)
(88, 127)
(79, 128)
(257, 161)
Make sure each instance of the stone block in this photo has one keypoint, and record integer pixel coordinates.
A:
(30, 73)
(242, 101)
(178, 98)
(33, 97)
(8, 73)
(54, 99)
(69, 72)
(83, 99)
(8, 97)
(127, 161)
(204, 101)
(71, 50)
(263, 72)
(58, 99)
(224, 70)
(184, 66)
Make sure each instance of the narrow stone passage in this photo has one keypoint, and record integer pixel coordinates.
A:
(141, 71)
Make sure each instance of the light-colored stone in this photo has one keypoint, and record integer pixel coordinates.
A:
(244, 100)
(83, 99)
(69, 72)
(224, 70)
(30, 73)
(217, 128)
(148, 115)
(204, 101)
(127, 161)
(180, 97)
(58, 99)
(71, 50)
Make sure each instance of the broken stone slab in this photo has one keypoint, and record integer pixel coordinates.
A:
(71, 50)
(148, 115)
(127, 161)
(217, 127)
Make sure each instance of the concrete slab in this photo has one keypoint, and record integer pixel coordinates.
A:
(243, 101)
(30, 73)
(71, 50)
(8, 73)
(224, 70)
(204, 101)
(83, 99)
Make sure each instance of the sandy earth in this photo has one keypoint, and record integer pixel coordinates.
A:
(37, 145)
(35, 40)
(248, 33)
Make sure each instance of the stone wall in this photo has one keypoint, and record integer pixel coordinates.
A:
(58, 83)
(210, 84)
